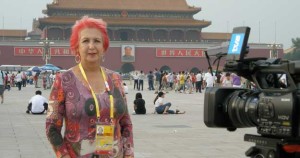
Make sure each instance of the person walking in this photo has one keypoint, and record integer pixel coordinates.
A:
(2, 86)
(7, 81)
(125, 87)
(150, 77)
(12, 79)
(44, 81)
(227, 81)
(170, 78)
(208, 79)
(24, 79)
(164, 82)
(181, 82)
(136, 81)
(189, 84)
(141, 81)
(157, 80)
(198, 82)
(90, 100)
(19, 80)
(236, 80)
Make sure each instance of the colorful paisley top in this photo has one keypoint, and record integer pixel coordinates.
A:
(70, 100)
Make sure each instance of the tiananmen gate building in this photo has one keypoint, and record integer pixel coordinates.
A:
(161, 33)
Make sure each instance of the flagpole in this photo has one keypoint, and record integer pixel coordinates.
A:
(3, 28)
(258, 31)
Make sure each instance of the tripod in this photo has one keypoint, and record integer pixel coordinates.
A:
(269, 147)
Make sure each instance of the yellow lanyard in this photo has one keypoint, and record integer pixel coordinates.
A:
(111, 98)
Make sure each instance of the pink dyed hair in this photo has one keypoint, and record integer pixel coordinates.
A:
(88, 22)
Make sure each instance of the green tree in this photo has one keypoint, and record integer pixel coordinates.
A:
(295, 55)
(296, 44)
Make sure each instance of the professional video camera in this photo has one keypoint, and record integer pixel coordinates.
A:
(273, 108)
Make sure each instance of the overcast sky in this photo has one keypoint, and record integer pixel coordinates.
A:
(270, 20)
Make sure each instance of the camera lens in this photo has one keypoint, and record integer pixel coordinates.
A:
(242, 108)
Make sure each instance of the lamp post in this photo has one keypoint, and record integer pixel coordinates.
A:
(274, 50)
(46, 46)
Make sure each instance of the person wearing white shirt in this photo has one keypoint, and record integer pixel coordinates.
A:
(160, 106)
(198, 82)
(18, 79)
(209, 79)
(136, 80)
(170, 78)
(37, 104)
(141, 78)
(163, 108)
(52, 78)
(125, 88)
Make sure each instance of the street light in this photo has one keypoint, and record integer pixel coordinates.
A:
(274, 50)
(46, 46)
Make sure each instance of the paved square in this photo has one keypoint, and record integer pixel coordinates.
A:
(155, 136)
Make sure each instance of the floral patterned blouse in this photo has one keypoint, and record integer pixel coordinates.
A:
(72, 102)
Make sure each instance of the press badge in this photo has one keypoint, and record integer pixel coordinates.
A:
(104, 139)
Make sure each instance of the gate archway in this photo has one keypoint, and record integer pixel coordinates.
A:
(166, 68)
(195, 70)
(127, 67)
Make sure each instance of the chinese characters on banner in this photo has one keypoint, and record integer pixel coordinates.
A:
(66, 51)
(170, 52)
(38, 51)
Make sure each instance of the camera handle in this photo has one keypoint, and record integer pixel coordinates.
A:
(268, 147)
(208, 61)
(219, 56)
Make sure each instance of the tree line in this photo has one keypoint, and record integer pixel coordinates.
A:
(295, 54)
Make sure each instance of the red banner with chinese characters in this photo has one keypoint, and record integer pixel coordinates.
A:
(61, 51)
(38, 51)
(28, 51)
(172, 52)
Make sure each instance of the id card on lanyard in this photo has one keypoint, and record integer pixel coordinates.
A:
(104, 138)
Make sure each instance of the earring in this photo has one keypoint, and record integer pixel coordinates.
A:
(77, 59)
(103, 58)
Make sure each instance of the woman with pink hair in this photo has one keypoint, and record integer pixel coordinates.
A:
(90, 100)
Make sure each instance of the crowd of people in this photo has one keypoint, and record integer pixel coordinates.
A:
(23, 78)
(184, 82)
(91, 99)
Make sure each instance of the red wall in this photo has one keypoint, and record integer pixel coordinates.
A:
(7, 58)
(145, 59)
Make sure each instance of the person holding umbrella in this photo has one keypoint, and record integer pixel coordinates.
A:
(35, 71)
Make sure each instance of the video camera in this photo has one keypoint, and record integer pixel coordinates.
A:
(273, 108)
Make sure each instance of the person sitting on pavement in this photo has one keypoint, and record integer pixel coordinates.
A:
(139, 104)
(37, 104)
(164, 108)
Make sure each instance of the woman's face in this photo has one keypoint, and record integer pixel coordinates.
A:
(90, 46)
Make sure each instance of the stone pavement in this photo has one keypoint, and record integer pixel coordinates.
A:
(155, 136)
